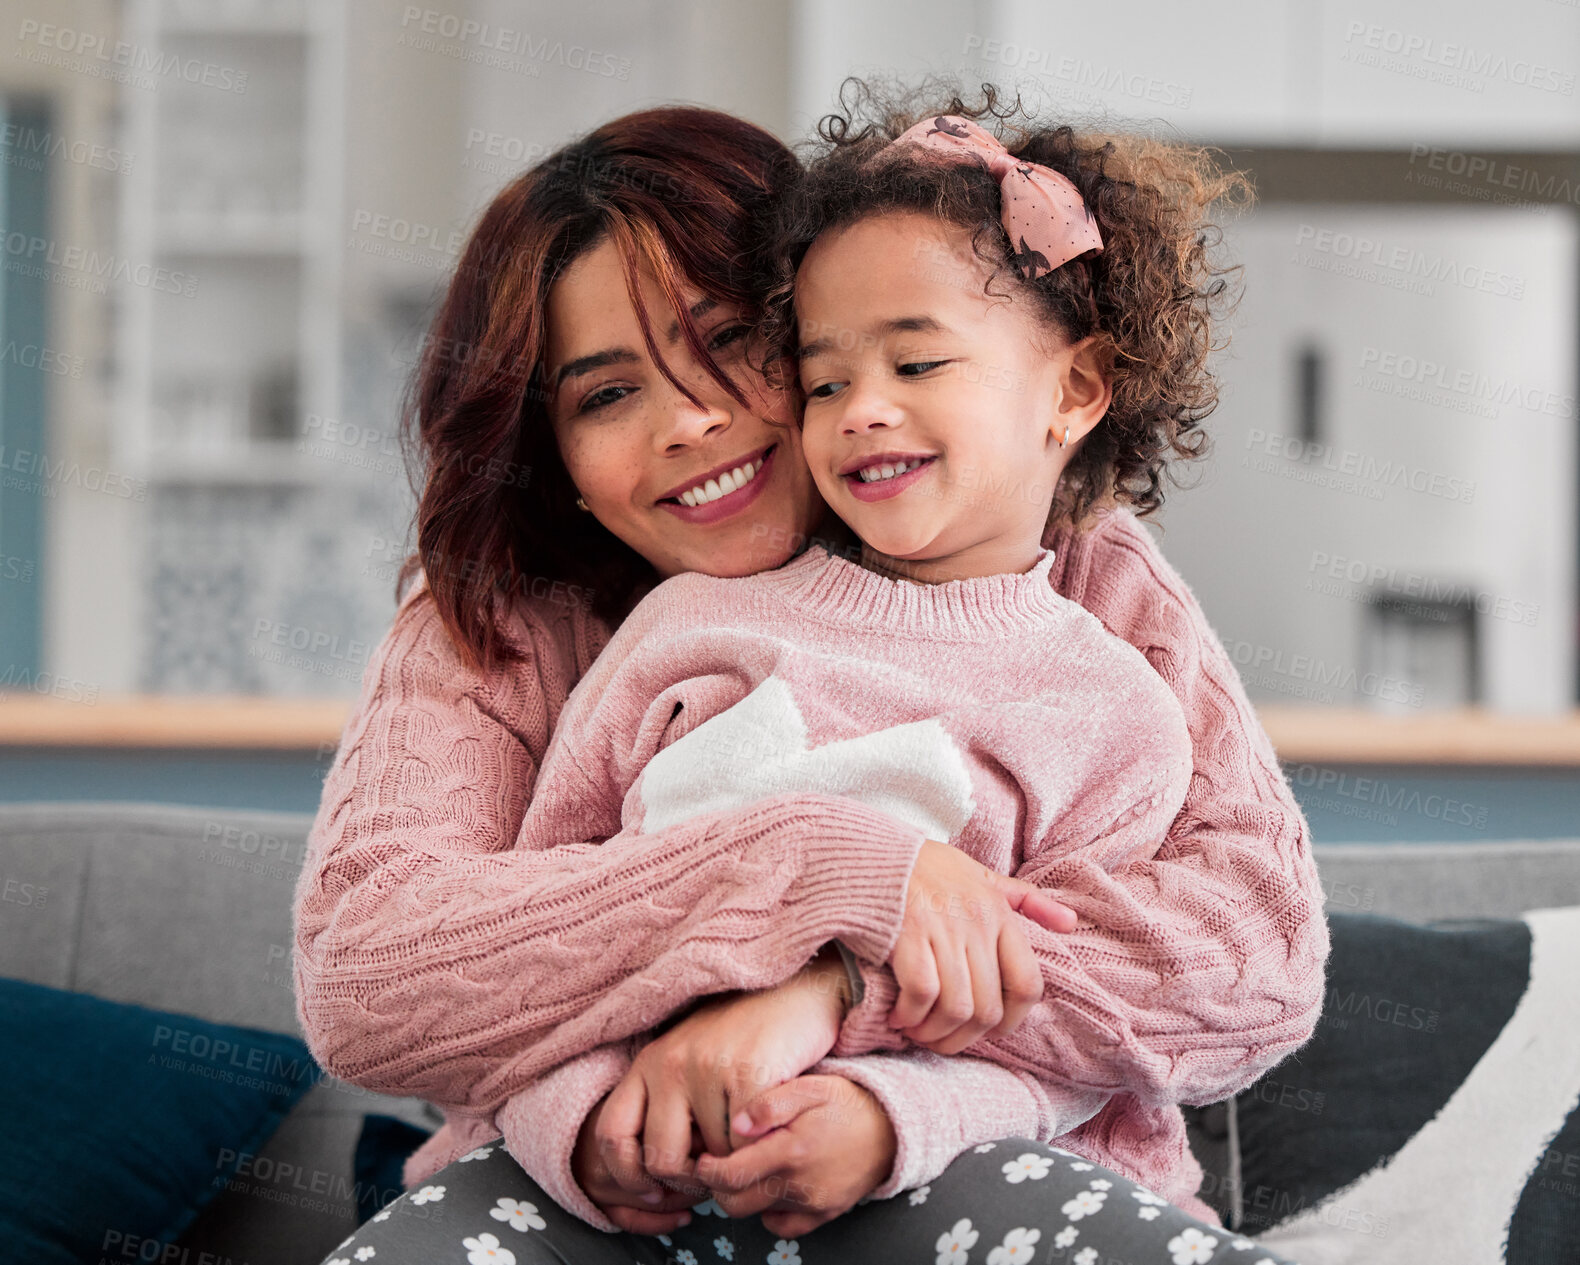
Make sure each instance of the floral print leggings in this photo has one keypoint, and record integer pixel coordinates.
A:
(1010, 1202)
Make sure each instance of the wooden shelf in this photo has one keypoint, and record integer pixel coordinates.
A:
(174, 722)
(1468, 736)
(1315, 735)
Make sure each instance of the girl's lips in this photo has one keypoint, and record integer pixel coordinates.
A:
(883, 489)
(731, 503)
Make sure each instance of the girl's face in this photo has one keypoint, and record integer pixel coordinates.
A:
(637, 449)
(909, 366)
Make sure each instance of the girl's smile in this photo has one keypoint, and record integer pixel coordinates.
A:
(878, 478)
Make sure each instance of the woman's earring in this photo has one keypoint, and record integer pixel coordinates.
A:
(581, 504)
(1062, 437)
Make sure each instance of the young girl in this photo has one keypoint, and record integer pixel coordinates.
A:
(954, 317)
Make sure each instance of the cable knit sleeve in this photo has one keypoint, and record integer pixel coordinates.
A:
(434, 959)
(1200, 964)
(941, 1106)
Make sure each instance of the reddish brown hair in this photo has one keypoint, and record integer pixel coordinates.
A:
(688, 192)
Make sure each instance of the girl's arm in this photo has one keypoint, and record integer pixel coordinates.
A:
(435, 960)
(1206, 966)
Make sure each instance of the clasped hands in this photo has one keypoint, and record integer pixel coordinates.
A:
(721, 1104)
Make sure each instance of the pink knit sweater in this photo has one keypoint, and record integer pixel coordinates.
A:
(436, 958)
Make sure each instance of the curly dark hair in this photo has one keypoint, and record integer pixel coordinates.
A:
(1155, 296)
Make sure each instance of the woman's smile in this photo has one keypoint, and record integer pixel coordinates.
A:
(722, 493)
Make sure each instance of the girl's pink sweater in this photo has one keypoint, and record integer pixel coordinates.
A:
(510, 984)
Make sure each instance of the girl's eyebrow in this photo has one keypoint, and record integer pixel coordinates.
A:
(894, 325)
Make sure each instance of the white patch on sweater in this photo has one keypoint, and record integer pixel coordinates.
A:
(758, 748)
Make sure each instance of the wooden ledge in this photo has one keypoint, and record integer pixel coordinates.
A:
(215, 722)
(1315, 735)
(1463, 736)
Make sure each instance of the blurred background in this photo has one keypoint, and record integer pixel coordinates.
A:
(226, 223)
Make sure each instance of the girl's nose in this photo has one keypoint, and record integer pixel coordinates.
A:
(868, 407)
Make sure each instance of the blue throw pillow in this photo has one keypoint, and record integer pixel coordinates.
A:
(383, 1148)
(120, 1122)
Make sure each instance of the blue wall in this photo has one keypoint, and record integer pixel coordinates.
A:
(1343, 803)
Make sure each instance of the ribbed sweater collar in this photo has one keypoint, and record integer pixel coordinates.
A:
(827, 587)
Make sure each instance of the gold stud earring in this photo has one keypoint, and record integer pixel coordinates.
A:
(580, 504)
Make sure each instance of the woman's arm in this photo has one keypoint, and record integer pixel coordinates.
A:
(1206, 964)
(435, 960)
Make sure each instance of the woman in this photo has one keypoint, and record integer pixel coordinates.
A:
(597, 335)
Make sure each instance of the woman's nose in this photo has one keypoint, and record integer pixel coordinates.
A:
(688, 421)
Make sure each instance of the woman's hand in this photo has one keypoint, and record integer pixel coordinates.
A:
(677, 1097)
(668, 1210)
(823, 1143)
(962, 960)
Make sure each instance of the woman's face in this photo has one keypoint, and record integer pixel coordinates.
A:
(654, 468)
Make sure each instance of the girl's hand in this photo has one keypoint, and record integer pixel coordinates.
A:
(962, 960)
(720, 1056)
(823, 1143)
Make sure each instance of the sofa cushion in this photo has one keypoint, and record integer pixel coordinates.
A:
(123, 1121)
(1432, 1116)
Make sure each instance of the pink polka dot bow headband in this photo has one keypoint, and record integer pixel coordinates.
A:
(1043, 213)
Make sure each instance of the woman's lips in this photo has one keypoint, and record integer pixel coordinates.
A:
(731, 503)
(883, 489)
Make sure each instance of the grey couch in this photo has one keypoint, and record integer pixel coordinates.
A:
(189, 910)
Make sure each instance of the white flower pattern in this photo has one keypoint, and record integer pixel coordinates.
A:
(485, 1250)
(518, 1214)
(785, 1253)
(919, 1195)
(1030, 1165)
(1085, 1204)
(365, 1253)
(724, 1248)
(954, 1243)
(428, 1195)
(1018, 1247)
(1192, 1247)
(482, 1153)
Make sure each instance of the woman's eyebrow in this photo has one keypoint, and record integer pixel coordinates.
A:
(698, 310)
(624, 355)
(598, 360)
(894, 325)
